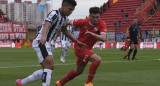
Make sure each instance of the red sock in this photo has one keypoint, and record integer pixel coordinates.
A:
(92, 71)
(68, 77)
(127, 53)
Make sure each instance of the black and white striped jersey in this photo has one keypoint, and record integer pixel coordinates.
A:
(63, 37)
(57, 21)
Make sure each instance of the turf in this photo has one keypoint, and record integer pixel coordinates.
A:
(114, 71)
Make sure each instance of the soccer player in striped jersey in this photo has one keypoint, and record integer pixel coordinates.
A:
(92, 30)
(65, 41)
(54, 23)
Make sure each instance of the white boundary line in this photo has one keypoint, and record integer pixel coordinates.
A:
(75, 63)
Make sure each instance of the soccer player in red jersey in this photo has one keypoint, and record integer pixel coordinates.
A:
(91, 30)
(126, 46)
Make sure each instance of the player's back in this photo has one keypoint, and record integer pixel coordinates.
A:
(134, 31)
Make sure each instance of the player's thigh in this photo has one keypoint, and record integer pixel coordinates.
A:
(44, 54)
(135, 46)
(95, 57)
(132, 46)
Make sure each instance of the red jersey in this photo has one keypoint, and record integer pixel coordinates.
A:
(84, 25)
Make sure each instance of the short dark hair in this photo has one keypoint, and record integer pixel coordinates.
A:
(94, 10)
(71, 2)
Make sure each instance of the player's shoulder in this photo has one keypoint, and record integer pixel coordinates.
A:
(82, 20)
(53, 13)
(101, 21)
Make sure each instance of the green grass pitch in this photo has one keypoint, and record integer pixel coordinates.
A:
(114, 71)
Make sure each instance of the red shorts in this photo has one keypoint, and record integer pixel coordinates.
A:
(83, 55)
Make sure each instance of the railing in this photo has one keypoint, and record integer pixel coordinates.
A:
(143, 6)
(142, 10)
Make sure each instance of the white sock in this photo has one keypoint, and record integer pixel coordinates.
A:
(62, 54)
(46, 77)
(101, 46)
(65, 54)
(37, 75)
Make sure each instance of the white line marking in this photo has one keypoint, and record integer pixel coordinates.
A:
(104, 62)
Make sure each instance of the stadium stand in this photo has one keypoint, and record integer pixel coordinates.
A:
(113, 14)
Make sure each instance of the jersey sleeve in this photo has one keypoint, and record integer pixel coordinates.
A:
(103, 28)
(78, 22)
(51, 17)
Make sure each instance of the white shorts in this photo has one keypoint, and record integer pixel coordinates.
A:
(42, 50)
(65, 44)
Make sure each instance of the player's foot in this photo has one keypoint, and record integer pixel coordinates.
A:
(18, 82)
(121, 48)
(134, 58)
(58, 83)
(125, 57)
(89, 84)
(128, 58)
(62, 60)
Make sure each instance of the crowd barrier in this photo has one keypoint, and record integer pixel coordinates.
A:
(10, 45)
(142, 45)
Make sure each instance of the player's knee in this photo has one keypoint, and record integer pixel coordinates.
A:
(79, 72)
(98, 59)
(49, 66)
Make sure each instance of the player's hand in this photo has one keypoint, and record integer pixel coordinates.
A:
(88, 32)
(81, 45)
(42, 40)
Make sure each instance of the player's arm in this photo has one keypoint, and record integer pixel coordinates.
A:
(101, 37)
(70, 22)
(46, 27)
(139, 36)
(74, 35)
(52, 16)
(68, 34)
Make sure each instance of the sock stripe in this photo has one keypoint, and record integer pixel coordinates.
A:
(44, 76)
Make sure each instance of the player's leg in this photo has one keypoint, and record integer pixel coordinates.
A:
(66, 50)
(126, 56)
(135, 52)
(127, 44)
(82, 60)
(100, 46)
(37, 75)
(43, 55)
(53, 47)
(96, 60)
(48, 66)
(71, 75)
(47, 63)
(130, 50)
(63, 51)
